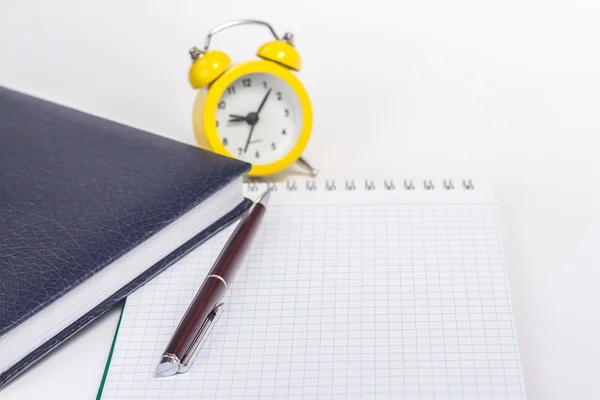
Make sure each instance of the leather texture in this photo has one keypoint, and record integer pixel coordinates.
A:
(150, 273)
(79, 191)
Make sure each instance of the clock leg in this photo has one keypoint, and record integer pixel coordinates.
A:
(302, 161)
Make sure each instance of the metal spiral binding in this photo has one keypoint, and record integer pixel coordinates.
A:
(370, 185)
(252, 186)
(291, 186)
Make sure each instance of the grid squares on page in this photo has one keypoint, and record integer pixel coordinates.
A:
(374, 301)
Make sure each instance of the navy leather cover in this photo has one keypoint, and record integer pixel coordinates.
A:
(77, 192)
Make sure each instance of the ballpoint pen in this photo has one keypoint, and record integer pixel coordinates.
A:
(207, 305)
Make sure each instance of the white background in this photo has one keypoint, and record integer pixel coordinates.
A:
(503, 90)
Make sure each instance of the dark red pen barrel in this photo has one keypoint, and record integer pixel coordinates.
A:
(207, 298)
(235, 250)
(213, 289)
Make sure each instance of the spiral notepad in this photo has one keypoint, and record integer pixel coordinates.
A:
(354, 288)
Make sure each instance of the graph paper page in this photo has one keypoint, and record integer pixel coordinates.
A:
(338, 298)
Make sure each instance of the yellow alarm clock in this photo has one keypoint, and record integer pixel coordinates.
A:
(256, 111)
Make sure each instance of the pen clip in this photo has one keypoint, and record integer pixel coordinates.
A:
(192, 352)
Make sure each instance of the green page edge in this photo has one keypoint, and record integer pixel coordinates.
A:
(110, 353)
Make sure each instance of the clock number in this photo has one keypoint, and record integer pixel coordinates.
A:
(273, 146)
(247, 82)
(283, 132)
(231, 90)
(225, 141)
(265, 84)
(222, 105)
(278, 95)
(217, 123)
(257, 154)
(286, 112)
(240, 151)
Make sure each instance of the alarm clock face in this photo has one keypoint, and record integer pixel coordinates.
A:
(259, 118)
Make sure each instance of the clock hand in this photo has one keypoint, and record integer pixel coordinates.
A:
(264, 101)
(249, 137)
(252, 119)
(237, 119)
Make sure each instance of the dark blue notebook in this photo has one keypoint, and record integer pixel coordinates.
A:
(89, 211)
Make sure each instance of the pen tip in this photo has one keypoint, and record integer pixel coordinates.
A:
(264, 198)
(167, 368)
